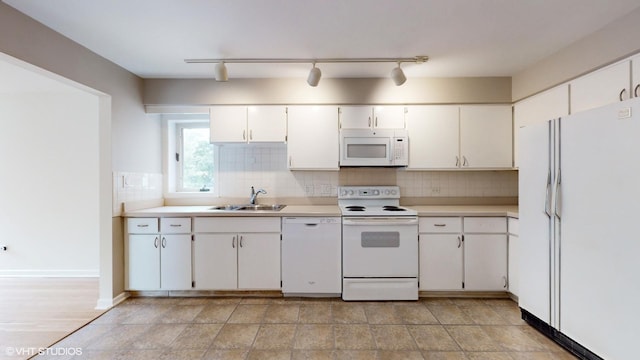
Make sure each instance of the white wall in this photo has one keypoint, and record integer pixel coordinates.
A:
(49, 213)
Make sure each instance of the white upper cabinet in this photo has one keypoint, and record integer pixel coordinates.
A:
(635, 72)
(460, 137)
(605, 86)
(433, 137)
(241, 124)
(267, 123)
(486, 136)
(548, 105)
(372, 117)
(228, 124)
(313, 141)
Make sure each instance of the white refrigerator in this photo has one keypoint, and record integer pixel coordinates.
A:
(579, 208)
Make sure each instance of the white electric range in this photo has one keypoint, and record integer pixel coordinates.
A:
(379, 244)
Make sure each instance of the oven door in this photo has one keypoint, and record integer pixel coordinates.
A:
(380, 247)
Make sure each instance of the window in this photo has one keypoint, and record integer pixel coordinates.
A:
(194, 157)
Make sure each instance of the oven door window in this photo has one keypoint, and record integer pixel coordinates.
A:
(380, 239)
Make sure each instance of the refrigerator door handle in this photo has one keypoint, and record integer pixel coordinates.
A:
(558, 197)
(547, 199)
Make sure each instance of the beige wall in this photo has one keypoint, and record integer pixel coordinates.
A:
(128, 141)
(330, 91)
(611, 43)
(135, 140)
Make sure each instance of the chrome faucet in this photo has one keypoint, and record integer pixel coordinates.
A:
(254, 195)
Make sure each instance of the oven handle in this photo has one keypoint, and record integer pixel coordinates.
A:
(379, 221)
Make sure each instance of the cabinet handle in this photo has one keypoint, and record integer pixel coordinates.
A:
(369, 122)
(233, 242)
(464, 161)
(142, 225)
(241, 241)
(175, 225)
(505, 282)
(244, 134)
(440, 225)
(251, 134)
(289, 161)
(155, 242)
(376, 122)
(164, 242)
(459, 242)
(635, 90)
(457, 161)
(622, 93)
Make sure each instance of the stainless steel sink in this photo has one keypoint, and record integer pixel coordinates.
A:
(276, 207)
(249, 207)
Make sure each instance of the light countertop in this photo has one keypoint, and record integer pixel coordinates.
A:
(323, 210)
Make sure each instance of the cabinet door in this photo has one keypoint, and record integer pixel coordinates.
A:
(389, 117)
(215, 261)
(549, 105)
(440, 262)
(175, 262)
(486, 136)
(433, 137)
(635, 71)
(356, 117)
(267, 123)
(228, 124)
(313, 140)
(485, 262)
(143, 262)
(513, 264)
(259, 261)
(602, 87)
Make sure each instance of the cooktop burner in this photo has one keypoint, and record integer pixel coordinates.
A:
(380, 201)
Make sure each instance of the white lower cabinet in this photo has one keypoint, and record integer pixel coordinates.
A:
(513, 264)
(158, 261)
(463, 253)
(236, 253)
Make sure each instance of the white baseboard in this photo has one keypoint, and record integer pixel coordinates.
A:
(49, 273)
(109, 303)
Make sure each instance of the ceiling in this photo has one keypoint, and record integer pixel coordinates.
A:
(151, 38)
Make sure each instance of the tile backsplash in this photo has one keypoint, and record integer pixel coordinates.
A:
(265, 167)
(129, 186)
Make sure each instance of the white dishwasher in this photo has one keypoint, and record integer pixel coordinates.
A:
(312, 256)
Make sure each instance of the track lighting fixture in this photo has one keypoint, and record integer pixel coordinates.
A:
(314, 76)
(220, 72)
(397, 75)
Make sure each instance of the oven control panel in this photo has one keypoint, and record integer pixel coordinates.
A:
(369, 192)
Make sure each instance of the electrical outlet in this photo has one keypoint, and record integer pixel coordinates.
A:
(435, 190)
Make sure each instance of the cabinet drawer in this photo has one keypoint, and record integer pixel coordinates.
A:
(236, 224)
(514, 226)
(440, 225)
(142, 225)
(175, 225)
(485, 225)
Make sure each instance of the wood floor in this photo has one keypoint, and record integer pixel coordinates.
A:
(38, 312)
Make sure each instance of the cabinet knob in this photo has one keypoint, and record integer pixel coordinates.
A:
(635, 90)
(622, 93)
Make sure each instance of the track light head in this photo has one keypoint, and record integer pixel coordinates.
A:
(220, 72)
(314, 76)
(397, 75)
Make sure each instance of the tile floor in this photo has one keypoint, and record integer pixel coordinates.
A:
(294, 328)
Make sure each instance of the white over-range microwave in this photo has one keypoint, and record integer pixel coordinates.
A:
(380, 147)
